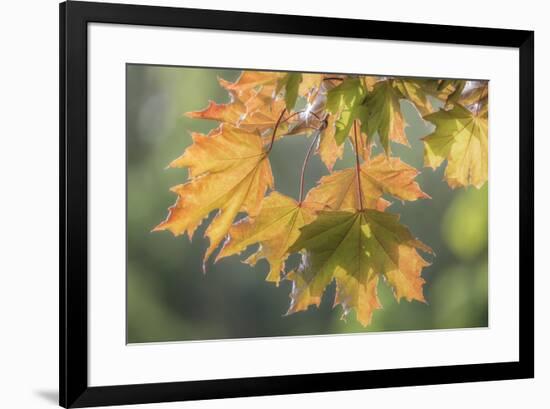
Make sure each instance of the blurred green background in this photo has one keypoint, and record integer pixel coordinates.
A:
(170, 299)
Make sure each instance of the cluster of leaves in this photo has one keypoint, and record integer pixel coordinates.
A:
(341, 227)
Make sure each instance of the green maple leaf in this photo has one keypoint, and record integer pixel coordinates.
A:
(355, 249)
(291, 84)
(384, 115)
(346, 102)
(461, 138)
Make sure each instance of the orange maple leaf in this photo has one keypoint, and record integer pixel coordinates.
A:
(229, 171)
(380, 175)
(275, 228)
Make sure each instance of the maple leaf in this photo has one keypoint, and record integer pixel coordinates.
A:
(231, 112)
(253, 109)
(384, 115)
(414, 91)
(353, 294)
(328, 148)
(229, 171)
(355, 248)
(276, 227)
(290, 82)
(262, 113)
(380, 175)
(461, 138)
(345, 101)
(252, 79)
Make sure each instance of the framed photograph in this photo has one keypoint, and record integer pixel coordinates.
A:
(256, 204)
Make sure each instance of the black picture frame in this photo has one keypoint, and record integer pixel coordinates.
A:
(73, 349)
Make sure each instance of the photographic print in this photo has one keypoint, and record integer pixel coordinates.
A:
(268, 203)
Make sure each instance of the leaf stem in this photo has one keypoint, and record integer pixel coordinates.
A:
(275, 131)
(357, 167)
(304, 165)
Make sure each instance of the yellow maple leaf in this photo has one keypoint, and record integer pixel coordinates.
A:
(380, 175)
(229, 171)
(355, 248)
(328, 149)
(263, 112)
(414, 91)
(353, 294)
(461, 138)
(276, 227)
